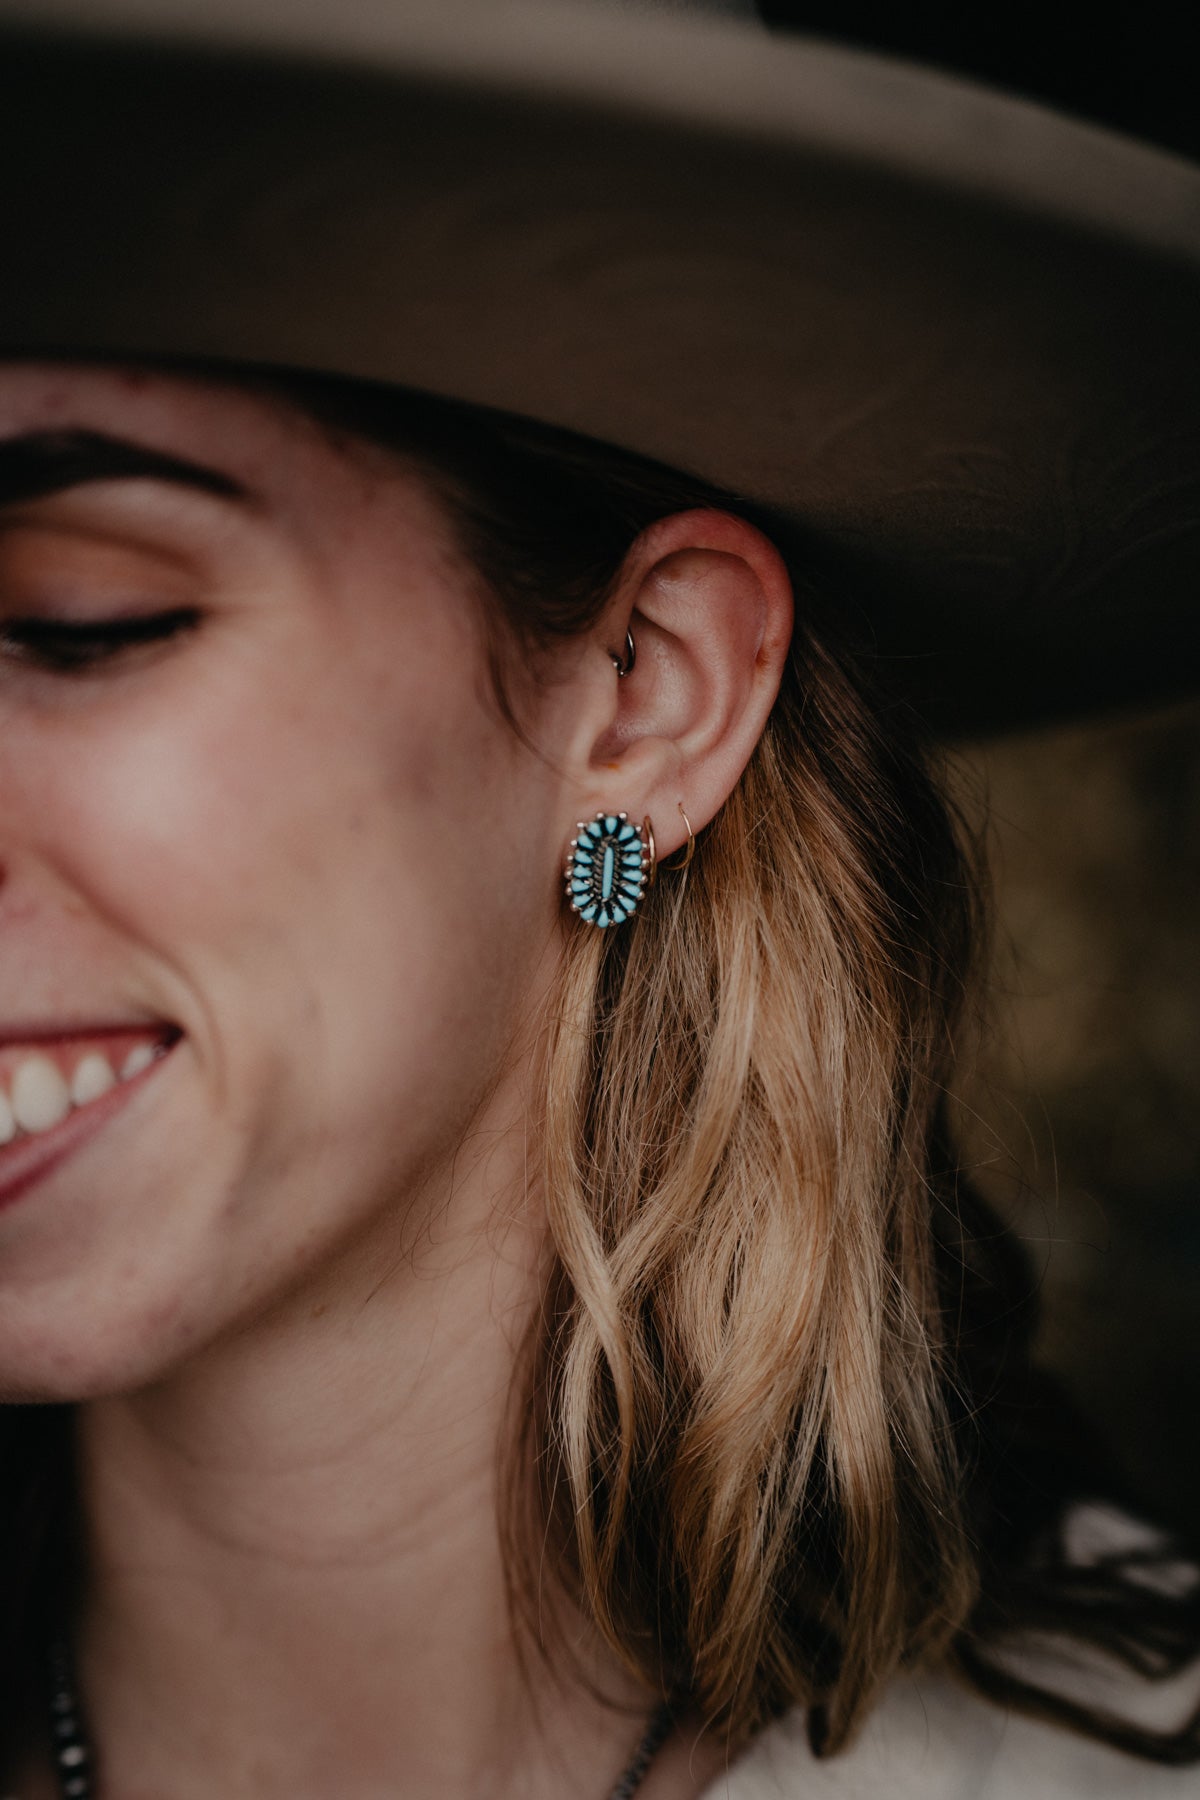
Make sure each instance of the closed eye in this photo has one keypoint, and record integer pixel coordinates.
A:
(76, 646)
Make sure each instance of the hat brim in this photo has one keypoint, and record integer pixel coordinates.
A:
(952, 334)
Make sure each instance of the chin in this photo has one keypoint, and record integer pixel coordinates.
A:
(53, 1353)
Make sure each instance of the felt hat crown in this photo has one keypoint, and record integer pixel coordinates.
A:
(953, 334)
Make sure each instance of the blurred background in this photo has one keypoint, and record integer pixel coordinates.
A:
(1078, 1104)
(1125, 68)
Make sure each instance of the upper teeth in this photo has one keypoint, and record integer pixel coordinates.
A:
(93, 1077)
(39, 1095)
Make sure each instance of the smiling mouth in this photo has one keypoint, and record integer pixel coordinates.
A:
(55, 1090)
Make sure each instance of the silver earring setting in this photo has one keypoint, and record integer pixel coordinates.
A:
(610, 863)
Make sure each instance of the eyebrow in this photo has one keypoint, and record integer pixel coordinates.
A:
(39, 463)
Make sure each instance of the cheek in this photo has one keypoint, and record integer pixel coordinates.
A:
(175, 826)
(340, 891)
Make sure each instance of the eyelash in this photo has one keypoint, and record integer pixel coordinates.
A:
(77, 646)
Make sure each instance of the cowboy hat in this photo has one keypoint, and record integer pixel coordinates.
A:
(951, 334)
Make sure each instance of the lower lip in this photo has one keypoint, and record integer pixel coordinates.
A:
(31, 1159)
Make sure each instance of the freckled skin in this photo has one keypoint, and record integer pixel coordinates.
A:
(269, 833)
(293, 1276)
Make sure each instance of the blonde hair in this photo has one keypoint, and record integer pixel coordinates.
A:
(740, 1416)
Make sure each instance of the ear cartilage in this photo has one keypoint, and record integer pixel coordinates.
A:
(608, 868)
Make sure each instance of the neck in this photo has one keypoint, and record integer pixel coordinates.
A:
(296, 1584)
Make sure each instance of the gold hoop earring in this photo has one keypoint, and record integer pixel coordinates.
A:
(677, 868)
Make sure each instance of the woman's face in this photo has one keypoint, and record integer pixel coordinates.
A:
(282, 842)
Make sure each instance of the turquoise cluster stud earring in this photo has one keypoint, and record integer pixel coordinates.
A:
(609, 865)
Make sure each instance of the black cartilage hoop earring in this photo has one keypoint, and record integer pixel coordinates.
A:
(677, 868)
(626, 667)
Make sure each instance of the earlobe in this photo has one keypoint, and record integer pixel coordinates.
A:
(708, 602)
(610, 864)
(685, 856)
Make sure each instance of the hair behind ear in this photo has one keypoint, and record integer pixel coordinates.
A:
(743, 1428)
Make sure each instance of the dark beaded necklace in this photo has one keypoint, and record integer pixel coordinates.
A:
(73, 1757)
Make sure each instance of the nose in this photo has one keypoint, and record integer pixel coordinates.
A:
(25, 894)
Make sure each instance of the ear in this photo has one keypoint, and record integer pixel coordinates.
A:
(709, 603)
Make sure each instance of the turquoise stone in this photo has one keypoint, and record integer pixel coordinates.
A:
(606, 876)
